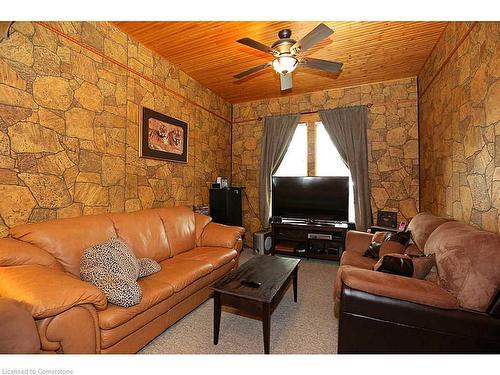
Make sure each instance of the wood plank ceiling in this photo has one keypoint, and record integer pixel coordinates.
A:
(208, 52)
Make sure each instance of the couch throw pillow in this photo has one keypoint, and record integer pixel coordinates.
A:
(112, 267)
(148, 266)
(374, 248)
(413, 251)
(387, 243)
(404, 265)
(391, 247)
(401, 237)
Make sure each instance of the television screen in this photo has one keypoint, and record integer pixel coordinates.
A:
(316, 198)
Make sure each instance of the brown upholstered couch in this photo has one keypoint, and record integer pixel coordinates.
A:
(454, 310)
(39, 267)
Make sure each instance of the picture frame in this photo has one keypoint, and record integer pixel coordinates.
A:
(387, 219)
(162, 137)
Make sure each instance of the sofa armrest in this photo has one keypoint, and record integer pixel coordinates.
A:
(357, 241)
(399, 287)
(47, 292)
(221, 235)
(18, 332)
(15, 253)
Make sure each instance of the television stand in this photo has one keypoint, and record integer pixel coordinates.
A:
(309, 239)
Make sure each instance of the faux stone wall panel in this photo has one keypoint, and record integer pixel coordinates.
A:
(460, 126)
(69, 125)
(392, 143)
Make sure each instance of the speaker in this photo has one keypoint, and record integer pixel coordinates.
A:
(262, 241)
(225, 206)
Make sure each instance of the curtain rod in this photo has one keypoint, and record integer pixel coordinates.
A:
(301, 113)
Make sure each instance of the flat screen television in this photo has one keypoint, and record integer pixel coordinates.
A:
(311, 198)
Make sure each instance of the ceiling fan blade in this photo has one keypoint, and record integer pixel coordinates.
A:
(286, 81)
(316, 35)
(257, 45)
(327, 66)
(252, 70)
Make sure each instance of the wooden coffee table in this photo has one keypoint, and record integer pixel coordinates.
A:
(274, 273)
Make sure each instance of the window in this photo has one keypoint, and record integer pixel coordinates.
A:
(295, 161)
(327, 159)
(329, 162)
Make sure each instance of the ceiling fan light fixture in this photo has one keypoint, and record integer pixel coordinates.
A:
(285, 64)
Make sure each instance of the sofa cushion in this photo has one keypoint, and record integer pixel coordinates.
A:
(201, 221)
(358, 241)
(144, 232)
(134, 325)
(153, 292)
(421, 227)
(66, 239)
(216, 256)
(355, 259)
(179, 225)
(181, 272)
(468, 263)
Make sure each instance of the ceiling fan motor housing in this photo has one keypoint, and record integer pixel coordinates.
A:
(284, 43)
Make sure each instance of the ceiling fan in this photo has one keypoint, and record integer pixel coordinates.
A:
(286, 50)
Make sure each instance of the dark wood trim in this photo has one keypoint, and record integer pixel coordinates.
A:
(435, 46)
(445, 62)
(5, 29)
(126, 67)
(419, 144)
(312, 112)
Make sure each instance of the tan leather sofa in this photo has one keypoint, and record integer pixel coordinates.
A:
(39, 267)
(455, 309)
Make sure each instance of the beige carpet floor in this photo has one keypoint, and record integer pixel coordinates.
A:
(305, 327)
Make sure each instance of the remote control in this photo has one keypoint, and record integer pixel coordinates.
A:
(251, 284)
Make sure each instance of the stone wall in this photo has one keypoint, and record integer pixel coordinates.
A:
(70, 96)
(459, 125)
(392, 142)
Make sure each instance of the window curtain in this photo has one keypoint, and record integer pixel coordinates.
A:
(278, 133)
(347, 130)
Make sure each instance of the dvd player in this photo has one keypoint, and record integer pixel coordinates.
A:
(319, 236)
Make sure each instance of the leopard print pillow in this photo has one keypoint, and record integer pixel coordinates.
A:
(112, 267)
(147, 267)
(119, 289)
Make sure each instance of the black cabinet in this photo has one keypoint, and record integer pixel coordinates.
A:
(225, 205)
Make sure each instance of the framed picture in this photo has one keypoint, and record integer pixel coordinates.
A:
(162, 137)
